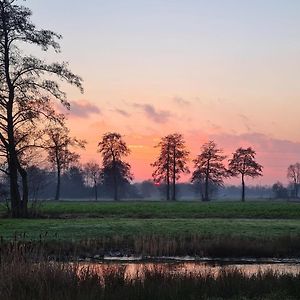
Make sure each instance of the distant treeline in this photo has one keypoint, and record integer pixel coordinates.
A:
(75, 184)
(33, 128)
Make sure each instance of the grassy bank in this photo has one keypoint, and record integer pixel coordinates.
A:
(156, 237)
(22, 280)
(152, 228)
(254, 210)
(69, 229)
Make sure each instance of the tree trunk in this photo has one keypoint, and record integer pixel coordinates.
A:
(14, 189)
(206, 198)
(24, 202)
(243, 188)
(168, 189)
(174, 175)
(57, 193)
(116, 196)
(13, 163)
(174, 190)
(168, 174)
(96, 190)
(10, 145)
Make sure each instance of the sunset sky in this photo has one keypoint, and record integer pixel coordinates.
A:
(226, 70)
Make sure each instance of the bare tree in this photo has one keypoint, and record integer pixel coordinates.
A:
(171, 163)
(26, 90)
(113, 149)
(209, 168)
(243, 163)
(93, 175)
(293, 174)
(58, 143)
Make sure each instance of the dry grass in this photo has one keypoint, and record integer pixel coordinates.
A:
(24, 279)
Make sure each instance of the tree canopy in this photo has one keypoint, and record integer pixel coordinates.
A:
(27, 90)
(243, 163)
(209, 168)
(113, 150)
(171, 162)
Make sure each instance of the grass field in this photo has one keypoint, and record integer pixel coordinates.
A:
(96, 228)
(170, 210)
(221, 228)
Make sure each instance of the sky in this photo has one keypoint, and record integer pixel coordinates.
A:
(222, 70)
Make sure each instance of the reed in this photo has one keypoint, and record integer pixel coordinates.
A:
(24, 279)
(157, 245)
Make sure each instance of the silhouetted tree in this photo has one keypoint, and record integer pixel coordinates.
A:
(113, 149)
(73, 183)
(293, 174)
(209, 168)
(38, 179)
(148, 188)
(25, 91)
(243, 163)
(279, 191)
(58, 143)
(171, 163)
(93, 175)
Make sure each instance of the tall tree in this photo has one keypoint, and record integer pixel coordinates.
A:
(58, 144)
(209, 168)
(26, 90)
(243, 163)
(171, 163)
(293, 174)
(113, 149)
(93, 175)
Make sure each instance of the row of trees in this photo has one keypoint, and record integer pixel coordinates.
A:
(29, 122)
(209, 168)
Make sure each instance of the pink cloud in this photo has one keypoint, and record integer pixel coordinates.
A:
(80, 109)
(158, 116)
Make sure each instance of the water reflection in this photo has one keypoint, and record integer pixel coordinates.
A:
(133, 270)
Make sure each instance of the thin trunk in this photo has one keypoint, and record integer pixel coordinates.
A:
(57, 193)
(243, 188)
(168, 173)
(296, 186)
(174, 189)
(96, 190)
(206, 198)
(168, 188)
(174, 175)
(116, 196)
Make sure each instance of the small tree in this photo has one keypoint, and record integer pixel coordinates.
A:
(171, 163)
(93, 175)
(293, 174)
(279, 191)
(209, 168)
(148, 189)
(58, 143)
(113, 149)
(243, 163)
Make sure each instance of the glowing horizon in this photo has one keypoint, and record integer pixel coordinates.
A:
(211, 70)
